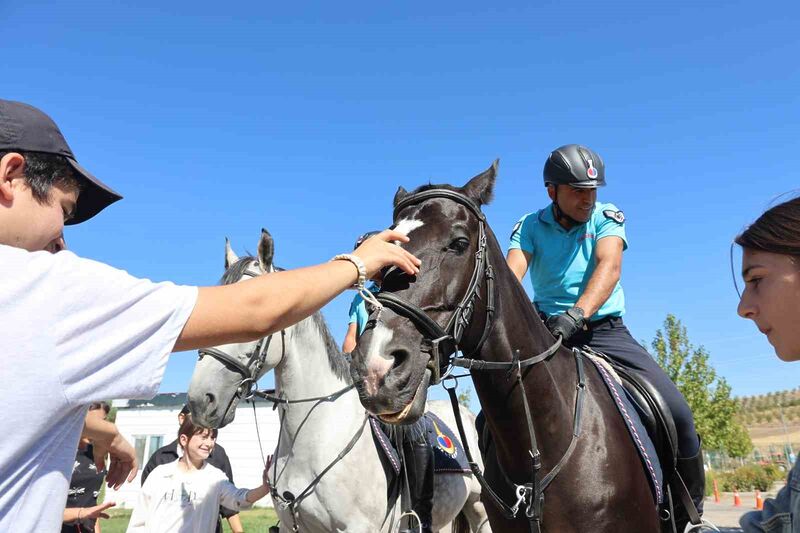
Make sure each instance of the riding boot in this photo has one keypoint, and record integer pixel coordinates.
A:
(419, 466)
(694, 476)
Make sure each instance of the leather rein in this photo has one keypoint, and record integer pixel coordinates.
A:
(441, 344)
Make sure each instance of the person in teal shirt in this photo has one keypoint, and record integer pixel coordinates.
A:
(572, 250)
(358, 308)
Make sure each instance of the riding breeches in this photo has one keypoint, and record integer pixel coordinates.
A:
(612, 338)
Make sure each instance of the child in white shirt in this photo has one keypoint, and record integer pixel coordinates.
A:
(185, 495)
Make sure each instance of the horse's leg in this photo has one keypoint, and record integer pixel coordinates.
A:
(474, 510)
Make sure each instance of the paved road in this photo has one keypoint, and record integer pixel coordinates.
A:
(725, 515)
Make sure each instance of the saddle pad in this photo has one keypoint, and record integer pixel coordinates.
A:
(636, 429)
(448, 453)
(385, 445)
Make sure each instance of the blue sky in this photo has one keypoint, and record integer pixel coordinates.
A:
(215, 120)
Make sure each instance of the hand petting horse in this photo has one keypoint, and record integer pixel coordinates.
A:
(327, 473)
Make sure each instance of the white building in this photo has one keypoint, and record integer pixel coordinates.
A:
(151, 424)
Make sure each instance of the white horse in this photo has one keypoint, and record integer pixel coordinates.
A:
(351, 494)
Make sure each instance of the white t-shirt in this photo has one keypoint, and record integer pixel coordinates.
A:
(74, 331)
(177, 501)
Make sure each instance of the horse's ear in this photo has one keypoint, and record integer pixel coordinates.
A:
(399, 195)
(266, 250)
(481, 187)
(230, 256)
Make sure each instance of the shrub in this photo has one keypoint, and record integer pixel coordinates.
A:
(747, 478)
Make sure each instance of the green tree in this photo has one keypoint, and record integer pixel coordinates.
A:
(463, 397)
(738, 442)
(708, 395)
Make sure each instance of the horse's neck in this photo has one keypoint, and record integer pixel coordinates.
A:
(550, 385)
(305, 372)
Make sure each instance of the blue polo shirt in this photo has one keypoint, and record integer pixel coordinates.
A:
(563, 261)
(358, 310)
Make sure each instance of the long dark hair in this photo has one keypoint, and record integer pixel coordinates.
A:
(776, 231)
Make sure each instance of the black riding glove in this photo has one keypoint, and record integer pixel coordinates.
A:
(567, 323)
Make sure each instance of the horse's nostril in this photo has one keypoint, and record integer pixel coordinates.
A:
(210, 399)
(399, 357)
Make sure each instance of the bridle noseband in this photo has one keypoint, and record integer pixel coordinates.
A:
(442, 343)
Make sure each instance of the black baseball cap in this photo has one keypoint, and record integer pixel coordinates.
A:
(27, 129)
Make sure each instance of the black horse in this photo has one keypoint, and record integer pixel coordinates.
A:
(530, 388)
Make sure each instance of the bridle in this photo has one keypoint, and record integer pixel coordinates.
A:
(247, 387)
(442, 343)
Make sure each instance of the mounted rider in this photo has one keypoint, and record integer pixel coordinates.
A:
(417, 451)
(573, 250)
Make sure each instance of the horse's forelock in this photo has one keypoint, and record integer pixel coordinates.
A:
(236, 270)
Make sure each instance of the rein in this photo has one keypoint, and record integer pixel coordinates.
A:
(442, 343)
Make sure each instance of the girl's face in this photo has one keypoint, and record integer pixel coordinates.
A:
(771, 299)
(199, 446)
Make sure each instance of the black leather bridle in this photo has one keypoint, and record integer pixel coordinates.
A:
(442, 343)
(256, 358)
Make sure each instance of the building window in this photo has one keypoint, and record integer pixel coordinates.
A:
(155, 443)
(139, 442)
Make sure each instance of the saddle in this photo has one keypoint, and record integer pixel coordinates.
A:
(653, 411)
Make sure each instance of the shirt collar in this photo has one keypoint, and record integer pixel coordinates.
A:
(546, 215)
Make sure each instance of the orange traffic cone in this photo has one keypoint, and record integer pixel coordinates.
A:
(759, 500)
(716, 492)
(737, 501)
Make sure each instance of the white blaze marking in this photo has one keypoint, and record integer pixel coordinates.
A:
(407, 225)
(378, 363)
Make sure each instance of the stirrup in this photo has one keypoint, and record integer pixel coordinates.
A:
(699, 527)
(413, 516)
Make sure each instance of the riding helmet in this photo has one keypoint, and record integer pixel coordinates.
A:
(575, 165)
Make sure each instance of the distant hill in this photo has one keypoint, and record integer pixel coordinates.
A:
(765, 409)
(761, 415)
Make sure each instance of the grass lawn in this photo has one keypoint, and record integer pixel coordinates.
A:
(254, 520)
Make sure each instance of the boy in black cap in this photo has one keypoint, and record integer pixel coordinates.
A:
(78, 331)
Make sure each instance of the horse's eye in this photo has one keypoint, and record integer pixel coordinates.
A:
(459, 245)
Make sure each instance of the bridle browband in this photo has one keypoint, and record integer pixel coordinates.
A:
(442, 343)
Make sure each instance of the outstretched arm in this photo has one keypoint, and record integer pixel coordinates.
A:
(261, 306)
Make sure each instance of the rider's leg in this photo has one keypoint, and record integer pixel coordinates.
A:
(614, 339)
(419, 465)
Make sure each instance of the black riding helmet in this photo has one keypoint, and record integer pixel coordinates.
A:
(575, 165)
